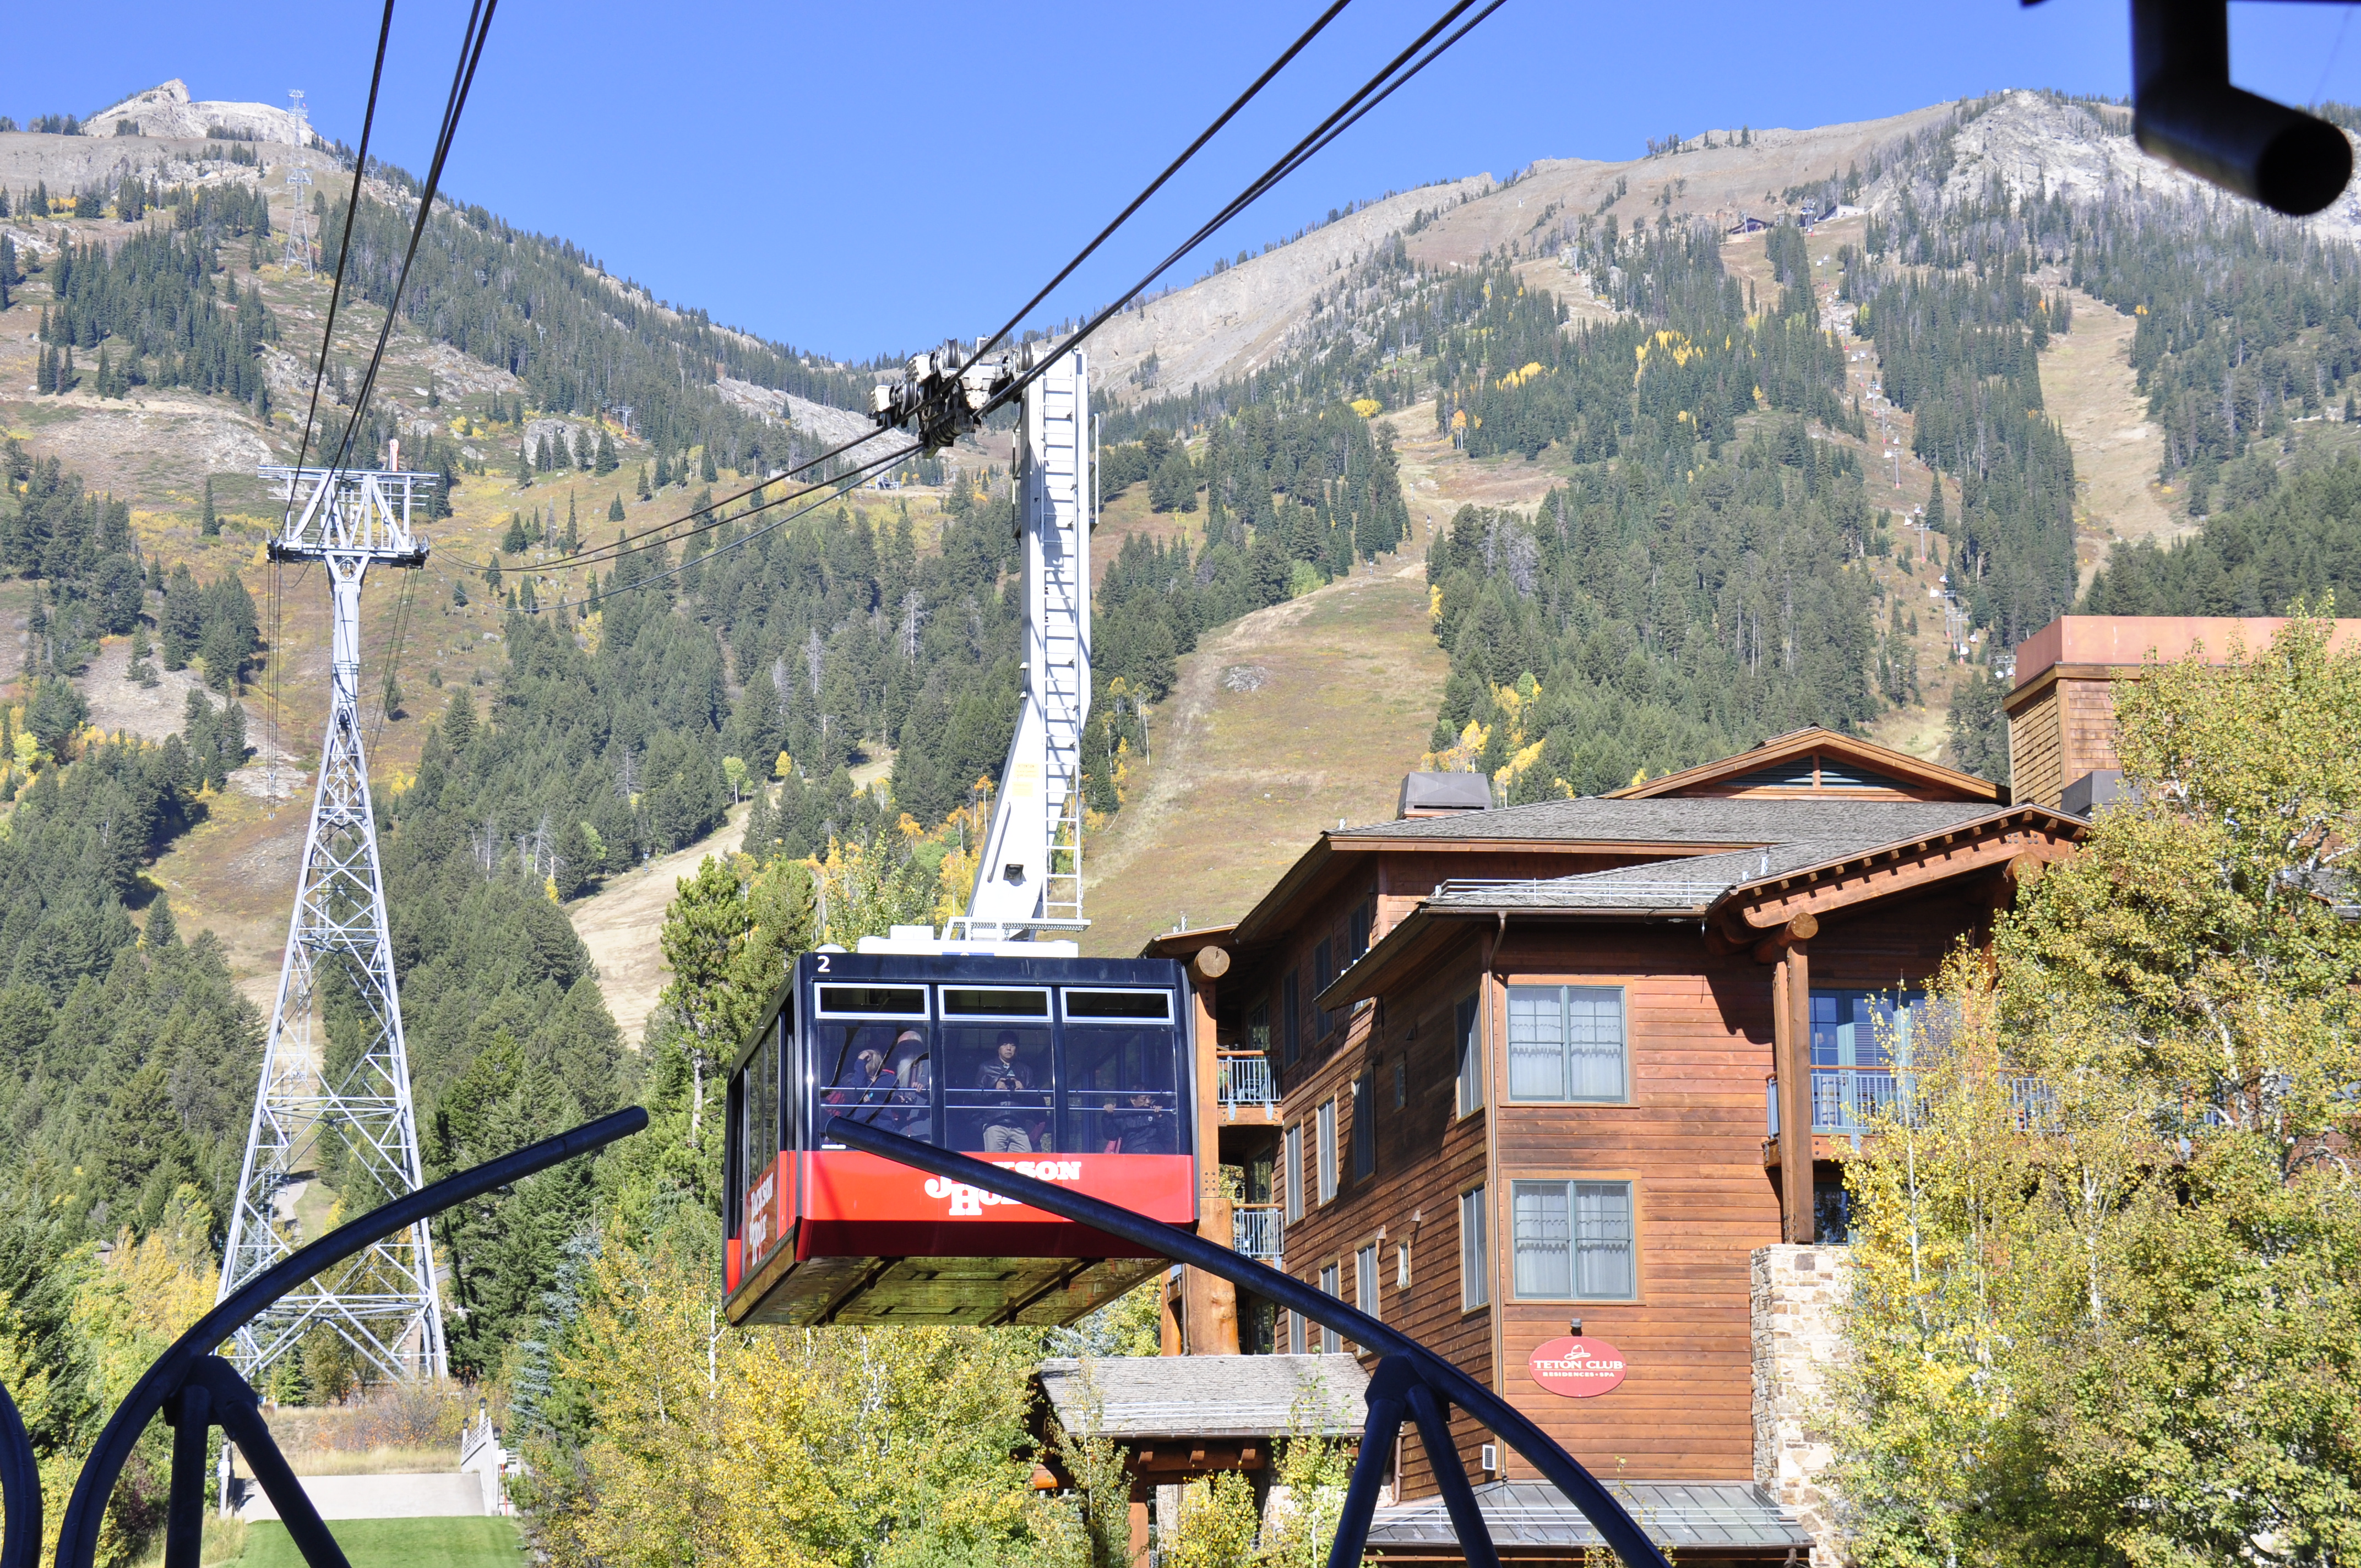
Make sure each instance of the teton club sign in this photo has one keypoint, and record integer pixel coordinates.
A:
(1576, 1368)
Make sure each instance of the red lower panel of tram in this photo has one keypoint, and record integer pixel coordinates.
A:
(877, 1241)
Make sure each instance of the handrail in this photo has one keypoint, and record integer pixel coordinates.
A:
(1420, 1368)
(20, 1490)
(188, 1355)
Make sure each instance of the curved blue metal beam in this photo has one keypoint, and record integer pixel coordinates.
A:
(78, 1542)
(20, 1489)
(1596, 1503)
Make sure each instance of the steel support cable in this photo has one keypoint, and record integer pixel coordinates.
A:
(843, 483)
(463, 77)
(343, 252)
(631, 543)
(1153, 186)
(1336, 123)
(1606, 1515)
(77, 1536)
(1293, 158)
(1156, 185)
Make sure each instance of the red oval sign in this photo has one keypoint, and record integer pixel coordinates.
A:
(1577, 1368)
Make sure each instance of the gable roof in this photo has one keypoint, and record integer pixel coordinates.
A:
(1850, 855)
(1528, 1517)
(1818, 762)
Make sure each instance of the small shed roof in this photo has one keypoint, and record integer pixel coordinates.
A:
(1134, 1397)
(1712, 1518)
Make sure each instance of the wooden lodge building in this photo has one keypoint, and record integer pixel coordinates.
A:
(1494, 1073)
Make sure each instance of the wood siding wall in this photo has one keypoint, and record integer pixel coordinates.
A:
(1699, 1033)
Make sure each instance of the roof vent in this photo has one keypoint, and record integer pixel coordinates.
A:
(1443, 794)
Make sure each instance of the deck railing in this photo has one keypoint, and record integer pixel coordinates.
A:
(1246, 1080)
(1851, 1100)
(1257, 1231)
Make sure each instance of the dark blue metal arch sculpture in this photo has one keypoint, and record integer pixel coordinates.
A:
(195, 1389)
(1410, 1379)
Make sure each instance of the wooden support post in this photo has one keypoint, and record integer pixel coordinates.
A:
(1208, 1305)
(1791, 1001)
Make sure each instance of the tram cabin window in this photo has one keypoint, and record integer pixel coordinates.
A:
(762, 1207)
(999, 1085)
(1123, 1085)
(870, 1059)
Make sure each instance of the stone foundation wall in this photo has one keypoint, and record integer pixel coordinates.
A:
(1796, 1292)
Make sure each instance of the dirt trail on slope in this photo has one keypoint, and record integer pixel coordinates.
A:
(2087, 380)
(1290, 718)
(621, 922)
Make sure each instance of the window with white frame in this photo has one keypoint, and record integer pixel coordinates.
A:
(1294, 1175)
(1573, 1241)
(1326, 1118)
(1566, 1042)
(1330, 1340)
(1475, 1256)
(1401, 1266)
(1365, 1279)
(1469, 1040)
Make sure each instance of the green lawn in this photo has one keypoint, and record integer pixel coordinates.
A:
(483, 1543)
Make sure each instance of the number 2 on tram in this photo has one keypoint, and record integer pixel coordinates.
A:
(1074, 1070)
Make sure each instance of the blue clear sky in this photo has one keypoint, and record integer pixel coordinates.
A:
(854, 179)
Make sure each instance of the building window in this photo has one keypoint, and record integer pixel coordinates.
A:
(1365, 1279)
(1364, 1129)
(1573, 1241)
(1475, 1257)
(1294, 1199)
(1330, 1340)
(1363, 918)
(1291, 1018)
(1566, 1042)
(1324, 969)
(1258, 1026)
(1401, 1266)
(1402, 1082)
(1470, 1038)
(1295, 1333)
(1863, 1028)
(1327, 1150)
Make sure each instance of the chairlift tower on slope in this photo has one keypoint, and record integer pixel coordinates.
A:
(1029, 878)
(384, 1303)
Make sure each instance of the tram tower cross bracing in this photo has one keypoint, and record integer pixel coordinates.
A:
(352, 1118)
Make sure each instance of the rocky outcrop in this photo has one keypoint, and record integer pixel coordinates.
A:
(167, 112)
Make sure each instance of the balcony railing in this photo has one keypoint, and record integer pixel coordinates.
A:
(1850, 1100)
(1257, 1231)
(1246, 1080)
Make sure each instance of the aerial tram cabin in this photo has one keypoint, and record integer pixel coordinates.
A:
(1071, 1069)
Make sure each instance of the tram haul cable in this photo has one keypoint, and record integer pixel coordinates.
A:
(463, 77)
(843, 483)
(344, 253)
(1156, 185)
(1371, 94)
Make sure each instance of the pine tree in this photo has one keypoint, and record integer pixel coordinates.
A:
(615, 508)
(585, 451)
(208, 522)
(645, 493)
(571, 536)
(66, 376)
(606, 462)
(1935, 503)
(45, 371)
(707, 472)
(515, 540)
(524, 470)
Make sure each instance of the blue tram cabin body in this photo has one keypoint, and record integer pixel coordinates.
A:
(1075, 1071)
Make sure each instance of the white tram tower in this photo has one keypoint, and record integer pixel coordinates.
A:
(351, 1114)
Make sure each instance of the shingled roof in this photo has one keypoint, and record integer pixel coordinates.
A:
(1701, 1518)
(1599, 820)
(1134, 1397)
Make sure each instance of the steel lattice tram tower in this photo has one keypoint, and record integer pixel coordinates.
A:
(385, 1302)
